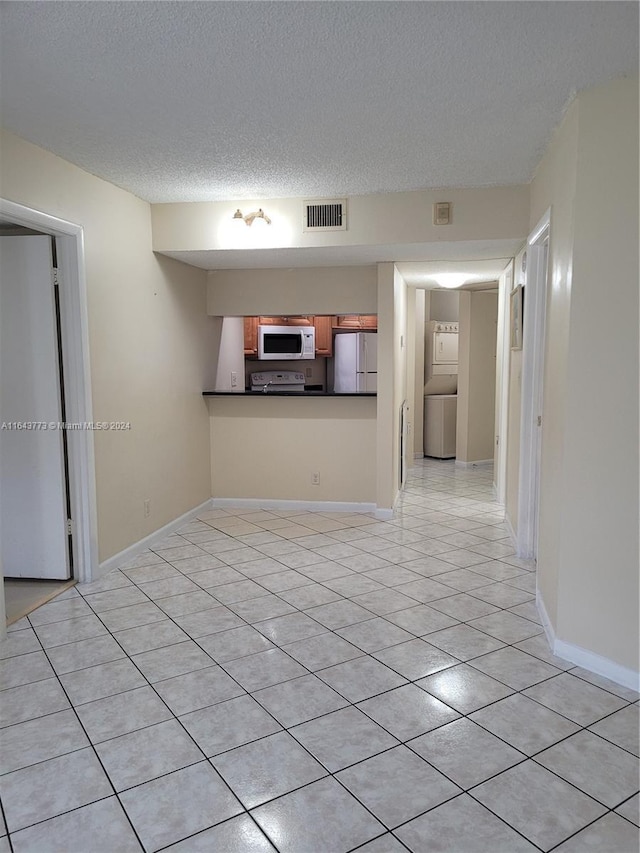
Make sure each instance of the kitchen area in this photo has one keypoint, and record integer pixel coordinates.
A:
(307, 405)
(301, 354)
(286, 428)
(295, 403)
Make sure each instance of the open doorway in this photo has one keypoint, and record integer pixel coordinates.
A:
(47, 504)
(34, 471)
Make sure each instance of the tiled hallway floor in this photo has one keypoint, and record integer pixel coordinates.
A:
(314, 683)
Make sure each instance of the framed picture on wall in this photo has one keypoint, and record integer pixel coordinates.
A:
(517, 306)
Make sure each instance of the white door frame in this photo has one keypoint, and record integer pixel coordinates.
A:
(77, 377)
(503, 362)
(534, 319)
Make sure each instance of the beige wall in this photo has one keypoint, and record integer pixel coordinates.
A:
(478, 317)
(268, 448)
(230, 354)
(306, 290)
(387, 443)
(588, 534)
(444, 305)
(150, 346)
(477, 214)
(598, 584)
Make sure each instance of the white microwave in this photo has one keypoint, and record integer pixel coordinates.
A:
(281, 343)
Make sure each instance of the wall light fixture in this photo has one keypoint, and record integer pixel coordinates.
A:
(251, 217)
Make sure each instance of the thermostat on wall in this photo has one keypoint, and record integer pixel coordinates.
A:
(442, 213)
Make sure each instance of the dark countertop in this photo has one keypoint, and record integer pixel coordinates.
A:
(309, 393)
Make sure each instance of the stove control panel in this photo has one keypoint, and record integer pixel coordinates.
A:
(285, 380)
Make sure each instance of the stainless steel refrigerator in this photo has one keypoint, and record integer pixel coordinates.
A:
(355, 366)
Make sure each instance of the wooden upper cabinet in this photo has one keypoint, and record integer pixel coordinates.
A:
(251, 335)
(369, 321)
(356, 322)
(323, 327)
(324, 336)
(286, 321)
(300, 321)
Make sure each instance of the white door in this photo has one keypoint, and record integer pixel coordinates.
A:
(33, 498)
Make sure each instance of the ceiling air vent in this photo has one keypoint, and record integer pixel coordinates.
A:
(325, 215)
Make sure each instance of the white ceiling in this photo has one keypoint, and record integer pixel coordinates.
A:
(196, 101)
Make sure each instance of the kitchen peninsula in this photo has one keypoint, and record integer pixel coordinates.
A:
(268, 448)
(278, 393)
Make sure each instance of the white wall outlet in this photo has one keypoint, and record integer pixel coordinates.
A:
(315, 478)
(234, 379)
(147, 508)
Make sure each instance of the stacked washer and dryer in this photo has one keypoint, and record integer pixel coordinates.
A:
(440, 390)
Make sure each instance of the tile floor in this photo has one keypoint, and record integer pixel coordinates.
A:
(314, 683)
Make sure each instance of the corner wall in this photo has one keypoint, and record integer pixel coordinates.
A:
(475, 422)
(151, 347)
(392, 379)
(588, 533)
(598, 585)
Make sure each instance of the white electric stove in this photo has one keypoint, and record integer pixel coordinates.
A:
(270, 381)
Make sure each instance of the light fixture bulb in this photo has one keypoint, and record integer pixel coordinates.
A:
(452, 279)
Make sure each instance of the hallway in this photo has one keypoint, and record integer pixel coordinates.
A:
(314, 683)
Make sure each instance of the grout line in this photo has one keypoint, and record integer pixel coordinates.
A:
(366, 655)
(92, 746)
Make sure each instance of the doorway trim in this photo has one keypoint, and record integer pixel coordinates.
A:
(503, 367)
(534, 322)
(75, 348)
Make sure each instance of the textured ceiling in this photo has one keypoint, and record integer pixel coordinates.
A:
(194, 101)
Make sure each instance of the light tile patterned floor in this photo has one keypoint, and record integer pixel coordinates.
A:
(314, 683)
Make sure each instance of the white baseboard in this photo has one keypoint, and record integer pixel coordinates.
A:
(244, 503)
(496, 497)
(481, 463)
(546, 622)
(512, 532)
(309, 506)
(143, 544)
(584, 658)
(383, 514)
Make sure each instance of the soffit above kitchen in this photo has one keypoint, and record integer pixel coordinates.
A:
(210, 101)
(486, 259)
